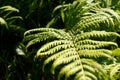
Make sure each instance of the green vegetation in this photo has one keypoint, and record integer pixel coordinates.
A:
(60, 40)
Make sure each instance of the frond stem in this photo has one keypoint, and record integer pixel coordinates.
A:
(72, 37)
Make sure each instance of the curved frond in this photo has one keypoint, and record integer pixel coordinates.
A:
(89, 16)
(96, 52)
(54, 49)
(33, 32)
(42, 35)
(90, 47)
(38, 30)
(93, 42)
(53, 44)
(8, 8)
(72, 49)
(7, 12)
(96, 34)
(94, 22)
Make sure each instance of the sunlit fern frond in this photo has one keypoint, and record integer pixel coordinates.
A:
(9, 14)
(94, 22)
(96, 53)
(64, 52)
(99, 35)
(89, 34)
(38, 35)
(69, 48)
(103, 19)
(37, 30)
(8, 8)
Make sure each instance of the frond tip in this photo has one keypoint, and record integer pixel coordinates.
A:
(9, 8)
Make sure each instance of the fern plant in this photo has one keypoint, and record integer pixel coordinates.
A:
(75, 52)
(10, 46)
(10, 26)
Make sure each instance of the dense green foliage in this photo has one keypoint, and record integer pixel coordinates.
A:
(63, 39)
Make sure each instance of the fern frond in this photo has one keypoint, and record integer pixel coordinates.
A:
(77, 19)
(96, 53)
(14, 17)
(98, 34)
(7, 12)
(39, 39)
(38, 30)
(54, 49)
(98, 46)
(68, 51)
(93, 42)
(94, 22)
(8, 8)
(49, 30)
(113, 14)
(42, 35)
(53, 44)
(89, 34)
